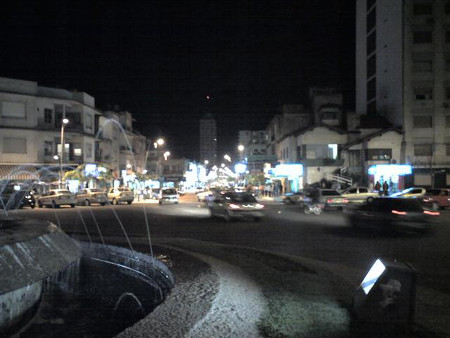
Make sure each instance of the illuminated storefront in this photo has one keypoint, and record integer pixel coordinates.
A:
(290, 176)
(392, 174)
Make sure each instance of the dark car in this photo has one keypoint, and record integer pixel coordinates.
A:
(16, 198)
(395, 213)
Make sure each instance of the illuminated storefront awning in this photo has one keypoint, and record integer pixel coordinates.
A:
(390, 169)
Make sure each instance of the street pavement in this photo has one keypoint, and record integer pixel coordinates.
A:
(326, 240)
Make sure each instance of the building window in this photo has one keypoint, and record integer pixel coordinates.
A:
(371, 66)
(423, 121)
(371, 42)
(14, 110)
(371, 89)
(48, 148)
(88, 121)
(422, 37)
(378, 154)
(423, 149)
(424, 8)
(447, 121)
(370, 3)
(354, 158)
(371, 19)
(88, 150)
(423, 94)
(299, 152)
(422, 63)
(330, 115)
(14, 145)
(48, 115)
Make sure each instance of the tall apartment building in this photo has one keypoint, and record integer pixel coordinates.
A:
(208, 139)
(403, 74)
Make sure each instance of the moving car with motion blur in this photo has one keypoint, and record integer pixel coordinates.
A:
(439, 198)
(236, 205)
(359, 194)
(293, 197)
(57, 197)
(13, 197)
(120, 195)
(327, 199)
(91, 196)
(394, 213)
(169, 195)
(410, 192)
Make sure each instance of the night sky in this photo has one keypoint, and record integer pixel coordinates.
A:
(160, 59)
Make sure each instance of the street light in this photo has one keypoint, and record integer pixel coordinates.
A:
(63, 124)
(227, 157)
(241, 148)
(158, 142)
(166, 155)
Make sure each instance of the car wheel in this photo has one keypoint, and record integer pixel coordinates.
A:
(227, 217)
(103, 203)
(54, 205)
(72, 205)
(369, 199)
(87, 203)
(32, 206)
(129, 202)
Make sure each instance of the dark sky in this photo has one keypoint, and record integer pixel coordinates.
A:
(160, 59)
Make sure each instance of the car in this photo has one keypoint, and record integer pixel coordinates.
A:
(57, 197)
(120, 195)
(235, 205)
(410, 192)
(204, 195)
(293, 197)
(394, 213)
(155, 193)
(169, 195)
(328, 199)
(359, 194)
(13, 197)
(439, 198)
(89, 196)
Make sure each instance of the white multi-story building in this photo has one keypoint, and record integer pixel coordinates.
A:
(403, 75)
(31, 130)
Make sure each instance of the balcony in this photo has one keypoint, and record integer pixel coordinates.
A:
(322, 162)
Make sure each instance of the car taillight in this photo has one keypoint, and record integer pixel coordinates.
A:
(234, 206)
(396, 212)
(345, 200)
(432, 213)
(329, 200)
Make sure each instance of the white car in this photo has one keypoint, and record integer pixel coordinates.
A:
(119, 195)
(169, 195)
(359, 194)
(89, 196)
(57, 197)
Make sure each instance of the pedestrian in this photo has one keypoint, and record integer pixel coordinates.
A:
(378, 186)
(385, 188)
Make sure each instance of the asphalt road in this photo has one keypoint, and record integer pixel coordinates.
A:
(285, 229)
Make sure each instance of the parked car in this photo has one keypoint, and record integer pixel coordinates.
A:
(119, 195)
(410, 192)
(169, 195)
(328, 199)
(293, 197)
(359, 194)
(439, 198)
(13, 197)
(57, 197)
(89, 196)
(234, 205)
(394, 213)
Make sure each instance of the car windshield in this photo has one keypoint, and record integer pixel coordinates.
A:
(95, 190)
(63, 192)
(240, 198)
(169, 191)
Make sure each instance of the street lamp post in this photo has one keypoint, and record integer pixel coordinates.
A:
(63, 124)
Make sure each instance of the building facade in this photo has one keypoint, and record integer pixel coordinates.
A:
(403, 75)
(208, 139)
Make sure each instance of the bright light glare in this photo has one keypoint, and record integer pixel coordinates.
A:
(56, 157)
(259, 206)
(65, 121)
(160, 141)
(241, 147)
(372, 276)
(234, 206)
